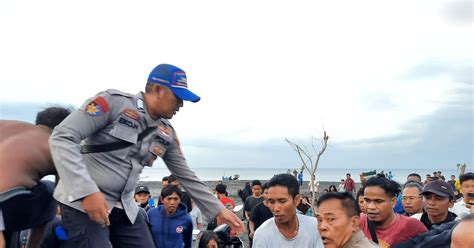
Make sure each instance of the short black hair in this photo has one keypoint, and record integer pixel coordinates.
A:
(172, 178)
(169, 190)
(413, 184)
(206, 237)
(287, 181)
(265, 186)
(348, 174)
(221, 188)
(348, 202)
(165, 178)
(256, 182)
(51, 116)
(465, 177)
(360, 192)
(414, 175)
(391, 188)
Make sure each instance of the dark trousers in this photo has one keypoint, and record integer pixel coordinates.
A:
(83, 232)
(25, 211)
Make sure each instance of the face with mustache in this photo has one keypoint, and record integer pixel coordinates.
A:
(334, 224)
(379, 205)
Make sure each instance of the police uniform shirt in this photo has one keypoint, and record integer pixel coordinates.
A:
(109, 117)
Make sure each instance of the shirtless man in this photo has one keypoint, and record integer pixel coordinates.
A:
(25, 158)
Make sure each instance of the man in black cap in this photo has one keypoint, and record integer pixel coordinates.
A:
(142, 196)
(438, 197)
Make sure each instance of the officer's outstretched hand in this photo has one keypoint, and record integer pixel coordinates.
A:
(97, 208)
(233, 220)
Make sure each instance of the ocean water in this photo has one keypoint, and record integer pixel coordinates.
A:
(322, 174)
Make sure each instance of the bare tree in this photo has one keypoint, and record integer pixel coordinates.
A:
(310, 159)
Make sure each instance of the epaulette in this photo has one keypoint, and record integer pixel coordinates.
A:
(118, 92)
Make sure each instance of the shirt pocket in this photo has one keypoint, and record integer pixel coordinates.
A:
(158, 147)
(124, 133)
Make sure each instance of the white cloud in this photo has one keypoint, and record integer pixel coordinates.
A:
(264, 69)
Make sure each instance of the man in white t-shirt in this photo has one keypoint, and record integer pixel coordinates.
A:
(461, 208)
(286, 228)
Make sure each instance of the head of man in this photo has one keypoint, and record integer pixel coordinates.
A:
(380, 197)
(51, 116)
(360, 200)
(438, 197)
(171, 197)
(283, 197)
(172, 180)
(414, 177)
(164, 182)
(348, 175)
(142, 194)
(166, 90)
(412, 201)
(338, 218)
(453, 177)
(463, 233)
(221, 189)
(256, 188)
(467, 186)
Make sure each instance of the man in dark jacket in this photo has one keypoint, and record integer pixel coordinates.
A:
(171, 225)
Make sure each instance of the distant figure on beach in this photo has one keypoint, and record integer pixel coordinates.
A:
(164, 182)
(300, 178)
(26, 201)
(295, 174)
(286, 228)
(252, 201)
(314, 186)
(341, 186)
(349, 184)
(101, 149)
(245, 192)
(171, 225)
(332, 188)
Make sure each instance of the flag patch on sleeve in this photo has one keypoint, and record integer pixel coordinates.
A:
(97, 107)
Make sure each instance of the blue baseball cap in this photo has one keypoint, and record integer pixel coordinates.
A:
(175, 79)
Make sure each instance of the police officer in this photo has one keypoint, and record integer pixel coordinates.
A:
(121, 133)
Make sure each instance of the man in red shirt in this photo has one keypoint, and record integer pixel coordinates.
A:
(349, 184)
(221, 191)
(380, 196)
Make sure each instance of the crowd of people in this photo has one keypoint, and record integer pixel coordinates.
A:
(98, 151)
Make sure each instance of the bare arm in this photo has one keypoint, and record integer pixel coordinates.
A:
(251, 228)
(2, 240)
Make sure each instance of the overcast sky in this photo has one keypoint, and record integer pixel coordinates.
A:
(390, 82)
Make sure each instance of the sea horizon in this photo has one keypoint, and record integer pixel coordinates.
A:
(322, 174)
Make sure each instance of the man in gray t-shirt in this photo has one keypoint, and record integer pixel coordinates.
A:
(286, 228)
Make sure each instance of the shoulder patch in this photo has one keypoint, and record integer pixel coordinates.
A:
(97, 107)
